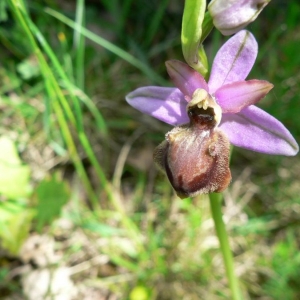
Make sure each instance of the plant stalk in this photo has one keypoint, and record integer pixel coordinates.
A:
(216, 209)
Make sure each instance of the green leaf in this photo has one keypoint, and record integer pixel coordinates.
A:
(52, 195)
(14, 176)
(3, 12)
(29, 68)
(15, 223)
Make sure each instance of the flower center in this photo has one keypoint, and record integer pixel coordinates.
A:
(204, 110)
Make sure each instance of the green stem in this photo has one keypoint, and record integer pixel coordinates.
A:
(216, 209)
(79, 44)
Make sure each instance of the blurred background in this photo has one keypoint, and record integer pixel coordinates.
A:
(84, 212)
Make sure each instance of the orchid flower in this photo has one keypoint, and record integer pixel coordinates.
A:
(230, 16)
(228, 100)
(246, 125)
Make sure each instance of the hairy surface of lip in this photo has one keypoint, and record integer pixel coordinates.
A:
(195, 157)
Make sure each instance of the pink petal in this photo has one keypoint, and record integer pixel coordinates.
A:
(256, 130)
(233, 97)
(165, 104)
(185, 78)
(231, 16)
(233, 61)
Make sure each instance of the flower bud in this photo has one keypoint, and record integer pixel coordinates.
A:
(195, 157)
(230, 16)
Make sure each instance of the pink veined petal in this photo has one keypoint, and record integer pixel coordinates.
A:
(256, 130)
(233, 97)
(185, 78)
(231, 16)
(233, 61)
(165, 104)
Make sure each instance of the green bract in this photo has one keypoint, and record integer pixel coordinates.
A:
(191, 33)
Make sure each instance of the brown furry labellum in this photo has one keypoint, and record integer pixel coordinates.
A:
(195, 156)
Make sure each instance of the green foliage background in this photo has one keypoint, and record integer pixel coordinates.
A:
(76, 161)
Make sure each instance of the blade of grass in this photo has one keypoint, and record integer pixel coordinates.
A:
(54, 93)
(86, 100)
(125, 10)
(79, 44)
(61, 108)
(155, 22)
(88, 149)
(70, 87)
(109, 46)
(66, 57)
